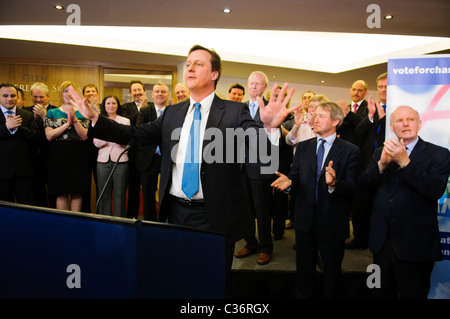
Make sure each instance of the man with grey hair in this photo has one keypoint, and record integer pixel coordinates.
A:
(41, 104)
(263, 203)
(41, 100)
(321, 212)
(407, 177)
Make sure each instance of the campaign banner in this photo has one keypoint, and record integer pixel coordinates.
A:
(423, 83)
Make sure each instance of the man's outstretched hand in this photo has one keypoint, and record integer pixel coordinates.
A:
(275, 112)
(82, 105)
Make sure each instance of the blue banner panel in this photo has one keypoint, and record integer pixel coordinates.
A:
(419, 71)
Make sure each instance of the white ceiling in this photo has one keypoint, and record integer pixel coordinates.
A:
(411, 17)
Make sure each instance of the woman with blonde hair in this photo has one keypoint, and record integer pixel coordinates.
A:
(68, 163)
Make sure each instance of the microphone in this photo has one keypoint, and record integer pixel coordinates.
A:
(126, 149)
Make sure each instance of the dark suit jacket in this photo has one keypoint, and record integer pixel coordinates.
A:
(225, 197)
(30, 108)
(145, 152)
(362, 110)
(130, 110)
(347, 129)
(405, 202)
(17, 150)
(282, 152)
(42, 146)
(333, 208)
(366, 133)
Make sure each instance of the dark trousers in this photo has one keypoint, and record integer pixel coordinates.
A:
(361, 212)
(308, 246)
(19, 189)
(261, 201)
(134, 192)
(279, 213)
(400, 279)
(149, 181)
(197, 217)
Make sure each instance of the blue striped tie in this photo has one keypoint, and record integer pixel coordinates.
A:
(189, 184)
(320, 154)
(158, 151)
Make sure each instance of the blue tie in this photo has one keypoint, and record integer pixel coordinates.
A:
(9, 112)
(189, 184)
(379, 127)
(158, 151)
(252, 109)
(320, 154)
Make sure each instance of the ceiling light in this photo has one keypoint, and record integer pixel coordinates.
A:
(233, 46)
(58, 7)
(389, 17)
(226, 10)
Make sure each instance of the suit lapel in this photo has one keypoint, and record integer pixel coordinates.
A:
(215, 115)
(312, 153)
(415, 155)
(176, 119)
(418, 150)
(334, 154)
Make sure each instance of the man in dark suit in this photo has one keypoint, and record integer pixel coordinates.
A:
(407, 176)
(219, 202)
(131, 110)
(148, 157)
(263, 202)
(258, 185)
(19, 131)
(324, 174)
(355, 112)
(41, 98)
(369, 134)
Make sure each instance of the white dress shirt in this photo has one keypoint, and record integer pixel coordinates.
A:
(178, 166)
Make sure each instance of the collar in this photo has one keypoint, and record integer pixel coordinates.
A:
(329, 139)
(411, 145)
(4, 109)
(206, 102)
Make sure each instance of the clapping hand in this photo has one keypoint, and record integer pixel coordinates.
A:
(13, 121)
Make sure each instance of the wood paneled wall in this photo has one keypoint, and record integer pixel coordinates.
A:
(23, 75)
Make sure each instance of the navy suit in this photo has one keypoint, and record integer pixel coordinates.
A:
(225, 198)
(131, 111)
(368, 135)
(347, 129)
(41, 197)
(322, 226)
(16, 158)
(404, 213)
(148, 162)
(266, 204)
